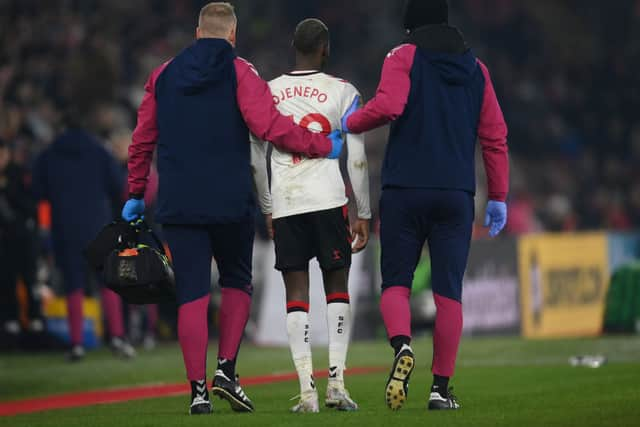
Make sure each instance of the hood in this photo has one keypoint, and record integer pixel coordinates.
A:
(446, 49)
(74, 140)
(203, 63)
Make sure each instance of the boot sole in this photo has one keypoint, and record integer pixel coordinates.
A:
(334, 404)
(236, 404)
(202, 409)
(395, 395)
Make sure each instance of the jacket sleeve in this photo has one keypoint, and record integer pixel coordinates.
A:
(260, 174)
(145, 136)
(357, 166)
(358, 170)
(265, 121)
(492, 132)
(392, 94)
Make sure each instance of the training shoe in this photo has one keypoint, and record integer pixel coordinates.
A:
(438, 401)
(122, 348)
(76, 353)
(231, 391)
(149, 342)
(338, 398)
(12, 327)
(398, 384)
(200, 403)
(308, 403)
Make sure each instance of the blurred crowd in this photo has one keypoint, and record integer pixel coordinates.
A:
(563, 70)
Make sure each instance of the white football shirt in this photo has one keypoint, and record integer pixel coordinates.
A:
(300, 185)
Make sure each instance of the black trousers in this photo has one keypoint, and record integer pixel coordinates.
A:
(18, 260)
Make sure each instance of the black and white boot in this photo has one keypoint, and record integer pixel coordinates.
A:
(442, 400)
(200, 403)
(398, 384)
(230, 390)
(122, 348)
(76, 353)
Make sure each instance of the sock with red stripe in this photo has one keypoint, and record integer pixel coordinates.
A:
(299, 343)
(339, 325)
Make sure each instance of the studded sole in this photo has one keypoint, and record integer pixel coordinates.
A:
(236, 405)
(395, 395)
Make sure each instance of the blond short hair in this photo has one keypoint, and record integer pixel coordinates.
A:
(217, 19)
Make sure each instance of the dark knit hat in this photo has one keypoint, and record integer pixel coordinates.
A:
(418, 13)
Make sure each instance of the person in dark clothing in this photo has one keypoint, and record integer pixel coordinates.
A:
(82, 183)
(17, 244)
(198, 110)
(440, 100)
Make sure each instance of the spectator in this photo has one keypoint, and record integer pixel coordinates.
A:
(17, 248)
(82, 183)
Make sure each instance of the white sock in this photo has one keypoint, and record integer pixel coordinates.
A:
(299, 336)
(339, 325)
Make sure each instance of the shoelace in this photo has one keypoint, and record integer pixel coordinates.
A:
(239, 389)
(452, 397)
(199, 400)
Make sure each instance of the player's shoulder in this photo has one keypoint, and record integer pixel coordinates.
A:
(280, 79)
(341, 84)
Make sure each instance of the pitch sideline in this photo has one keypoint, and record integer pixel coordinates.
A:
(125, 394)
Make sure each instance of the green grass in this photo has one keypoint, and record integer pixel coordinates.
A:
(505, 381)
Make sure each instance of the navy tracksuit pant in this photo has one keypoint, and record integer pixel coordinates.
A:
(442, 218)
(193, 247)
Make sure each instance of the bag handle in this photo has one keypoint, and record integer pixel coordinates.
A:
(142, 226)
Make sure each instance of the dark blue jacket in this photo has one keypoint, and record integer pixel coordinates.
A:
(83, 184)
(432, 144)
(440, 100)
(203, 144)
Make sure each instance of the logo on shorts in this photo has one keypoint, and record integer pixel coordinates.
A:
(337, 255)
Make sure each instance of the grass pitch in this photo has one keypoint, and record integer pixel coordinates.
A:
(499, 382)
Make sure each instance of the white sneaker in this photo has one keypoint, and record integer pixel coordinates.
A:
(12, 327)
(338, 398)
(149, 342)
(76, 353)
(122, 348)
(308, 403)
(36, 325)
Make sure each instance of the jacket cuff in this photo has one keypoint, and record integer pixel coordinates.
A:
(137, 196)
(498, 197)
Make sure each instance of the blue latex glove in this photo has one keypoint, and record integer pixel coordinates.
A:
(496, 217)
(133, 210)
(336, 143)
(352, 109)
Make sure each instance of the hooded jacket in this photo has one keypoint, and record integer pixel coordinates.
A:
(198, 109)
(203, 144)
(83, 184)
(441, 101)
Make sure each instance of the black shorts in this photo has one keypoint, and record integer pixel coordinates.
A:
(325, 235)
